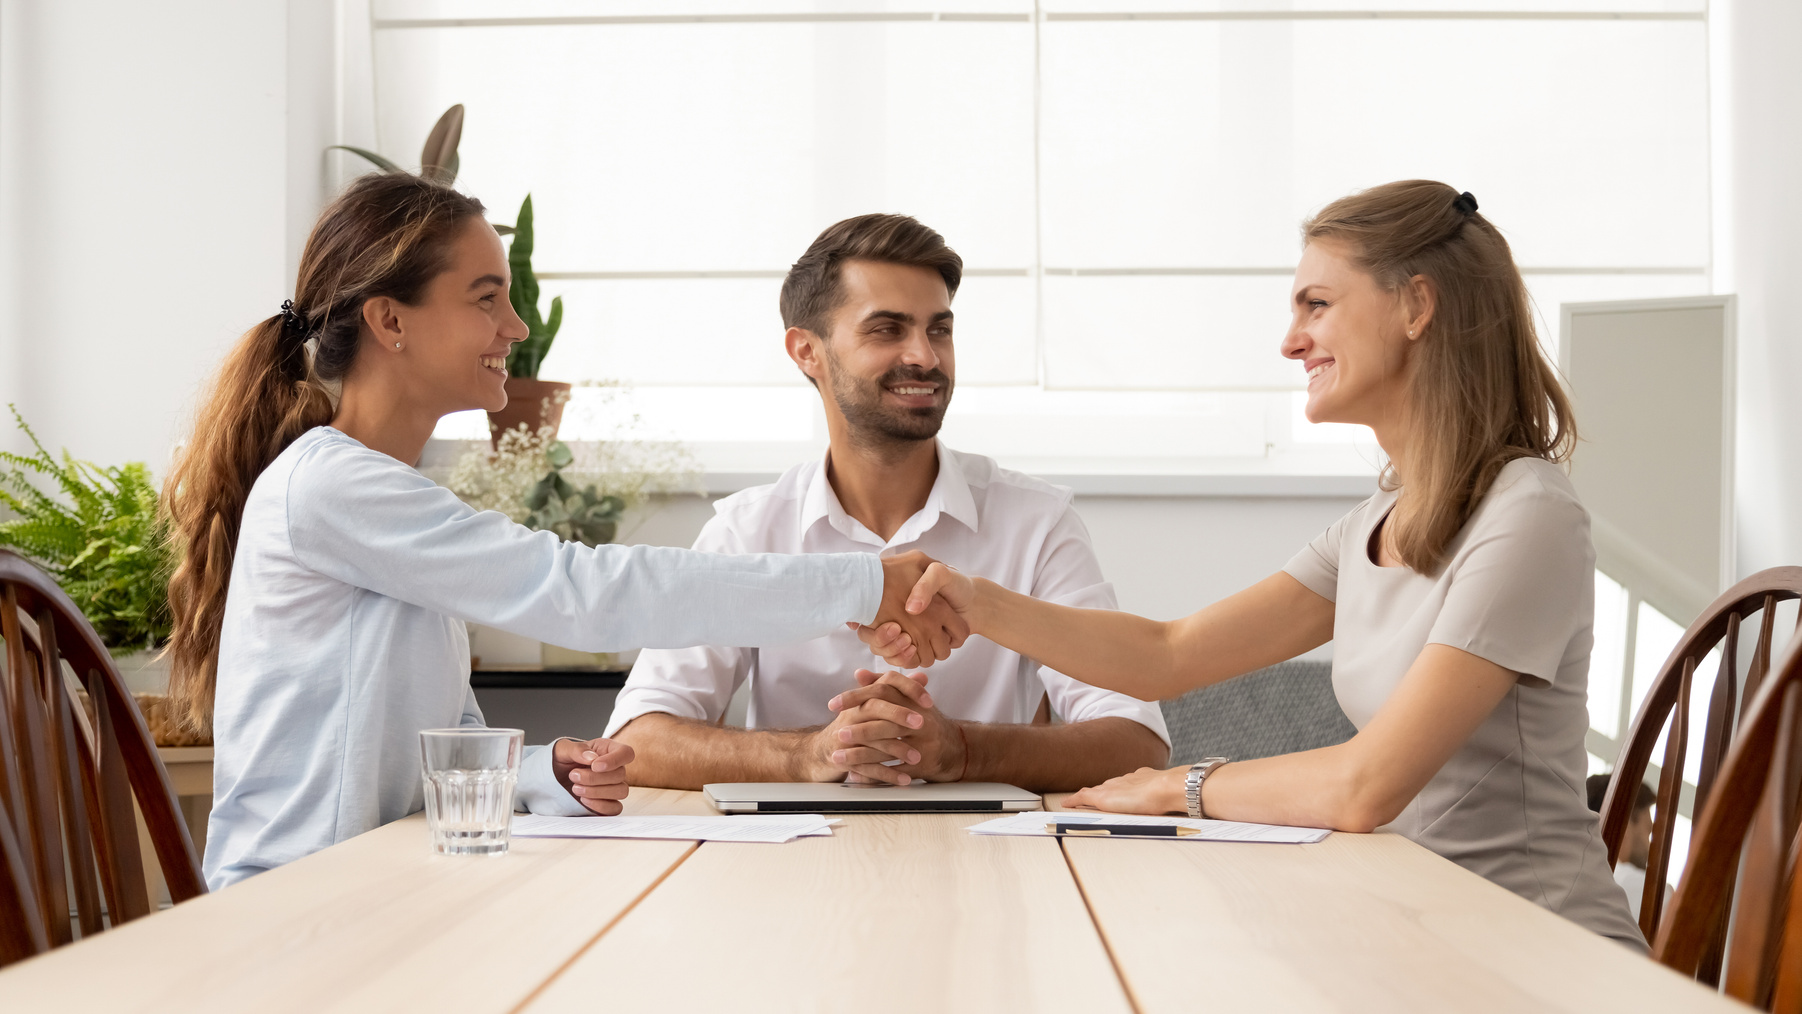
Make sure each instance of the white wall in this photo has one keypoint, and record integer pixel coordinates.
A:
(159, 165)
(1758, 81)
(1167, 556)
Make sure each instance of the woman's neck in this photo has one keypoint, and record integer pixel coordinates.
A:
(1394, 434)
(379, 419)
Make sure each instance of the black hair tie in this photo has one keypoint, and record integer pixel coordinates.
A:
(1465, 202)
(294, 323)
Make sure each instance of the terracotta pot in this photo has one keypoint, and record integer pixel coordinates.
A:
(531, 403)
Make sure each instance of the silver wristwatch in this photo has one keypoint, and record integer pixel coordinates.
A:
(1198, 773)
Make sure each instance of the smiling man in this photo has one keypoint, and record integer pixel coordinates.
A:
(868, 312)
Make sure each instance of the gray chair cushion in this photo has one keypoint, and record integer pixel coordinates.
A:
(1285, 708)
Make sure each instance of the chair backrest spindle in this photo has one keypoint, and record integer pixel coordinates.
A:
(67, 745)
(35, 760)
(1723, 712)
(1670, 791)
(1761, 653)
(73, 787)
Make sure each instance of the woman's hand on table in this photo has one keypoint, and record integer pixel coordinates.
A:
(1147, 790)
(594, 771)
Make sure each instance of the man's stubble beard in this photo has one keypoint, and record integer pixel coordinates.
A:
(873, 423)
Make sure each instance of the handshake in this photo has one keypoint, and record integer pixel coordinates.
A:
(924, 613)
(886, 730)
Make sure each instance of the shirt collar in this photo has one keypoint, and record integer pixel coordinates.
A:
(950, 495)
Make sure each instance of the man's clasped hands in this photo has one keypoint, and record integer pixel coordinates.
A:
(888, 717)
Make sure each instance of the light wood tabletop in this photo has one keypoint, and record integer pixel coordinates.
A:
(889, 913)
(893, 913)
(374, 923)
(1358, 922)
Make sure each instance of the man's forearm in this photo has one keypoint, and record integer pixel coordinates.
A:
(1060, 758)
(681, 753)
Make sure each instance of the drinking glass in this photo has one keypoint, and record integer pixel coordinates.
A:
(470, 774)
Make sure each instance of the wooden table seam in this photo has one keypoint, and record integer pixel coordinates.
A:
(1107, 945)
(604, 930)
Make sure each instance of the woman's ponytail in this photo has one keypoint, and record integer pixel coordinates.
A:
(258, 405)
(387, 235)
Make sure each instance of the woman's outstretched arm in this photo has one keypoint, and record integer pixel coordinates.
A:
(355, 515)
(1358, 785)
(1276, 619)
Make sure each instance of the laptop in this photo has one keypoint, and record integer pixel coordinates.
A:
(840, 797)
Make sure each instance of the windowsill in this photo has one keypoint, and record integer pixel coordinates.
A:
(1226, 478)
(1197, 484)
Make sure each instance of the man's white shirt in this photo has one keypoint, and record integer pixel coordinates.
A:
(984, 520)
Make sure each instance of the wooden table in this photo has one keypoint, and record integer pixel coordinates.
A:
(892, 913)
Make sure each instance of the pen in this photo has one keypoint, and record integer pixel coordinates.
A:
(1155, 830)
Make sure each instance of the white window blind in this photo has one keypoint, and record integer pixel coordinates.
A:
(1125, 181)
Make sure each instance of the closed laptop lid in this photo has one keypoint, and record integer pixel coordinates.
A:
(841, 797)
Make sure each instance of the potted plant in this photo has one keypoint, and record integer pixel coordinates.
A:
(104, 543)
(532, 404)
(104, 546)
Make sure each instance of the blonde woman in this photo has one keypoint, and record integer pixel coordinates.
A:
(1458, 598)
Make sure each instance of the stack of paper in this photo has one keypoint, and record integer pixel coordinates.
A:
(772, 828)
(1209, 830)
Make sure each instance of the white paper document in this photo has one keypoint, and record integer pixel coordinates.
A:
(771, 828)
(1210, 830)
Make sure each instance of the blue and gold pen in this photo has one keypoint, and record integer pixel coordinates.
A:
(1137, 830)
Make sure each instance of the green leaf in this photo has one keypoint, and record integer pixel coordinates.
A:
(380, 163)
(445, 174)
(528, 355)
(103, 542)
(551, 326)
(522, 238)
(439, 158)
(541, 492)
(559, 454)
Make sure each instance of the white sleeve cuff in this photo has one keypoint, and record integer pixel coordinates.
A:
(872, 601)
(538, 790)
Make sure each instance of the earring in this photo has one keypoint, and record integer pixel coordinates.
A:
(1410, 334)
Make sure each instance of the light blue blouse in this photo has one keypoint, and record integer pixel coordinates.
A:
(344, 636)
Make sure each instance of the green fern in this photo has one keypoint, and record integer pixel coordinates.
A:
(103, 542)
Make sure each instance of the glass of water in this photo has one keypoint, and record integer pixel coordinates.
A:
(470, 774)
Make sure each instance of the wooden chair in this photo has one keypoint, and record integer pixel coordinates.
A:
(67, 784)
(1747, 835)
(1722, 625)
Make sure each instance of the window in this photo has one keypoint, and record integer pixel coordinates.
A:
(1124, 178)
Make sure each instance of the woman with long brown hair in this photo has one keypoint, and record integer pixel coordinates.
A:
(1458, 598)
(324, 583)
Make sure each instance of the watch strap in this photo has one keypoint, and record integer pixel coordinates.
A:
(1198, 773)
